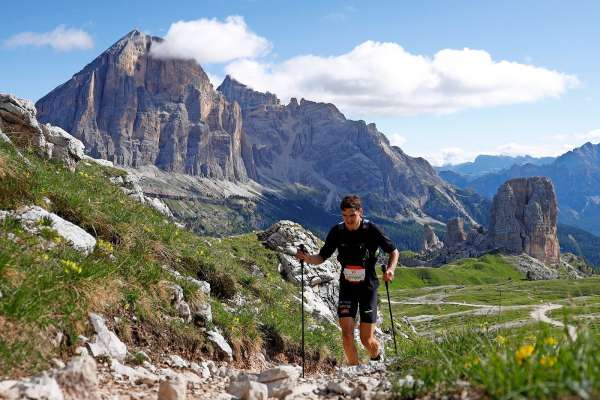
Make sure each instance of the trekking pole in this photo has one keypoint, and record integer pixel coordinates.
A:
(303, 249)
(387, 289)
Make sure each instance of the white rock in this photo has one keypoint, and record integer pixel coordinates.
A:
(201, 369)
(106, 343)
(339, 388)
(74, 235)
(136, 375)
(246, 389)
(280, 380)
(79, 379)
(202, 313)
(99, 161)
(66, 145)
(158, 205)
(41, 387)
(175, 361)
(9, 390)
(192, 379)
(173, 389)
(216, 337)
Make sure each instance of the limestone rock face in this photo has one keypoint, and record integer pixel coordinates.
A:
(314, 145)
(18, 122)
(455, 232)
(135, 109)
(524, 219)
(321, 282)
(430, 240)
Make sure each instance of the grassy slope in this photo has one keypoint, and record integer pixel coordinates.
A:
(515, 363)
(46, 291)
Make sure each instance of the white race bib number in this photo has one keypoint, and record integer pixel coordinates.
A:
(354, 273)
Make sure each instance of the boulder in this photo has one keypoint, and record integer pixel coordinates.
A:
(321, 281)
(224, 347)
(280, 380)
(173, 389)
(78, 238)
(79, 379)
(19, 123)
(106, 343)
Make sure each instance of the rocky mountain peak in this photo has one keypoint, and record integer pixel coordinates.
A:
(135, 109)
(524, 215)
(246, 97)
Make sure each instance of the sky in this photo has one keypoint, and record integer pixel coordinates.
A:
(444, 80)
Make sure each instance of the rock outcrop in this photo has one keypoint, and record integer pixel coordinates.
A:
(134, 109)
(321, 281)
(455, 232)
(524, 219)
(313, 144)
(19, 124)
(430, 240)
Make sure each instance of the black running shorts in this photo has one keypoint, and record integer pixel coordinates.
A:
(358, 298)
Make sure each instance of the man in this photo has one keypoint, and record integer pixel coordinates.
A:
(357, 241)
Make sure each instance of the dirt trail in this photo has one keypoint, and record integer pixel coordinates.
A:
(539, 314)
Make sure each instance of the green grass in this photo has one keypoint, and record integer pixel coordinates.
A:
(50, 288)
(490, 268)
(515, 364)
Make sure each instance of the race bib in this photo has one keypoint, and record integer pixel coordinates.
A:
(354, 273)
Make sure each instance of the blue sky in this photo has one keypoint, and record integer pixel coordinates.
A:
(528, 83)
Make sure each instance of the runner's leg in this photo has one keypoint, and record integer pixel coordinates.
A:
(368, 317)
(347, 325)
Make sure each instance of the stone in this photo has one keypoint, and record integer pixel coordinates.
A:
(524, 213)
(137, 375)
(18, 122)
(339, 388)
(106, 343)
(201, 313)
(78, 238)
(224, 347)
(79, 379)
(246, 389)
(430, 240)
(321, 281)
(280, 380)
(173, 360)
(101, 162)
(41, 387)
(9, 390)
(173, 389)
(455, 233)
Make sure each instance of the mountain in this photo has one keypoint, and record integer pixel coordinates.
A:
(485, 164)
(135, 110)
(576, 178)
(579, 242)
(141, 111)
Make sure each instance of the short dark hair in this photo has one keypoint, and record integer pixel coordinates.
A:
(351, 201)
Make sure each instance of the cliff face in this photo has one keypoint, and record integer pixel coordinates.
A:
(137, 110)
(314, 145)
(134, 109)
(524, 218)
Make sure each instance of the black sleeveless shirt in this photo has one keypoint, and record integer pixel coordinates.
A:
(358, 247)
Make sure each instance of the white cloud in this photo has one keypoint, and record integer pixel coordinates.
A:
(384, 79)
(552, 145)
(211, 41)
(216, 80)
(61, 39)
(396, 139)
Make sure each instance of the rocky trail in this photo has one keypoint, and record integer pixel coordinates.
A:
(104, 369)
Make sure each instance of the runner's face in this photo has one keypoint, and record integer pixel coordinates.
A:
(352, 218)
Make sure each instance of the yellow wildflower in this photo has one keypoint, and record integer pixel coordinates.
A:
(104, 246)
(71, 266)
(550, 341)
(548, 361)
(524, 353)
(500, 339)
